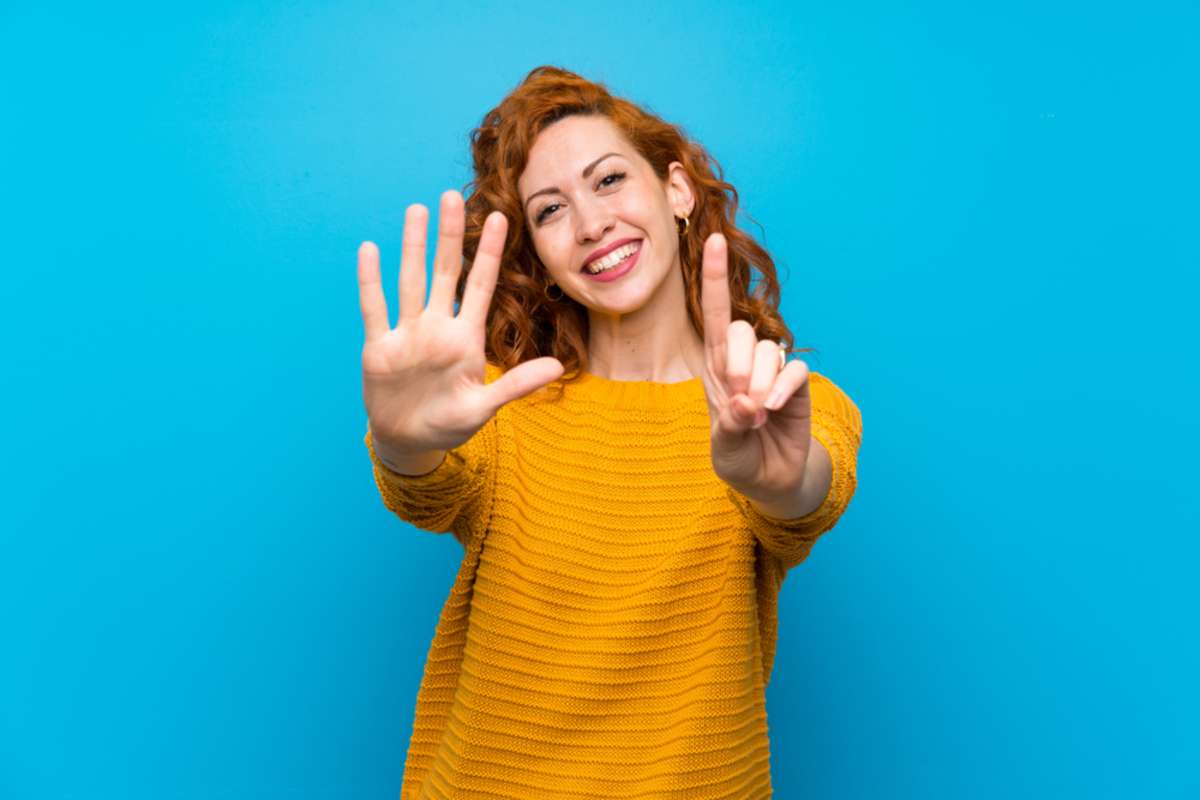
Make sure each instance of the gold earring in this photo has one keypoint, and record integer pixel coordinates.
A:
(546, 293)
(682, 228)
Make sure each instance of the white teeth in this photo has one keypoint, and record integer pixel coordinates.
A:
(612, 259)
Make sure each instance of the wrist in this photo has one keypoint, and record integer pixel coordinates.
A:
(789, 506)
(807, 497)
(406, 462)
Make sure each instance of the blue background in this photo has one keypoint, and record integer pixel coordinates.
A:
(987, 222)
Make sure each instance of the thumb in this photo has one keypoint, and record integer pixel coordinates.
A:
(523, 379)
(735, 421)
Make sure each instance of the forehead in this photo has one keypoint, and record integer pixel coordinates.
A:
(565, 147)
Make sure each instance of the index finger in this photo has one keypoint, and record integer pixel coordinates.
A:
(370, 292)
(412, 261)
(714, 299)
(481, 279)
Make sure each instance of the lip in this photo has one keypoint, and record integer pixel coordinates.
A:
(616, 272)
(603, 251)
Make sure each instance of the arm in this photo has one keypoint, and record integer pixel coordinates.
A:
(441, 491)
(452, 496)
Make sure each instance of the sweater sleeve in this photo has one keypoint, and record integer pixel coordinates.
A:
(453, 498)
(837, 425)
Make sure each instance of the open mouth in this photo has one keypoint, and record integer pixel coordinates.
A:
(614, 260)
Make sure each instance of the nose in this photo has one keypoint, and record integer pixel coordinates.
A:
(594, 221)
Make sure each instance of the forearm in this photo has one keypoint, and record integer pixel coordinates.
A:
(818, 478)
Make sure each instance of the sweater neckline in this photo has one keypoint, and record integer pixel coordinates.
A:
(644, 394)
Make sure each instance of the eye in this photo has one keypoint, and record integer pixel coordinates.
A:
(604, 182)
(617, 175)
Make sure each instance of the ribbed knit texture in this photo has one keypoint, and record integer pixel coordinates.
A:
(611, 630)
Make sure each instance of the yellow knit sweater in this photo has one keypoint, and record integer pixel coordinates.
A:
(611, 630)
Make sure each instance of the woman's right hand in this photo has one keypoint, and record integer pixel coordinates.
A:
(423, 381)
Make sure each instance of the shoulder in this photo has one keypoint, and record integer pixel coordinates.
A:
(831, 400)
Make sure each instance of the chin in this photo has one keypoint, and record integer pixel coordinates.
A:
(623, 304)
(628, 298)
(621, 309)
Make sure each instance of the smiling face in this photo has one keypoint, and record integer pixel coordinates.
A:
(585, 188)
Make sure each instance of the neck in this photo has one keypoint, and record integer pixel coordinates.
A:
(655, 343)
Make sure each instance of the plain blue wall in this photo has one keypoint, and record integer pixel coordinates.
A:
(987, 221)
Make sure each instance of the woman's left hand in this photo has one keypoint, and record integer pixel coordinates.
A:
(760, 414)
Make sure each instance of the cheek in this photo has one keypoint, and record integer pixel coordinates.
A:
(554, 253)
(647, 213)
(641, 209)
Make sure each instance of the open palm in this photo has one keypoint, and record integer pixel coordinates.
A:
(423, 380)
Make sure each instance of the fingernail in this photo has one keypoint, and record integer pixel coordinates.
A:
(760, 419)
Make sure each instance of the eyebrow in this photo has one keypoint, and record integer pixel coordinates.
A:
(586, 172)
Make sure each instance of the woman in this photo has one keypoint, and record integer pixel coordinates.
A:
(612, 626)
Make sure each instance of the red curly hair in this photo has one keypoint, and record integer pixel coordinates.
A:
(522, 322)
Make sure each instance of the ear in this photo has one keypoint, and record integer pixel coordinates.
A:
(679, 190)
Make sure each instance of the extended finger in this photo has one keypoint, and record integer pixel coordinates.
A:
(714, 300)
(792, 378)
(739, 357)
(447, 262)
(370, 292)
(481, 280)
(766, 367)
(412, 261)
